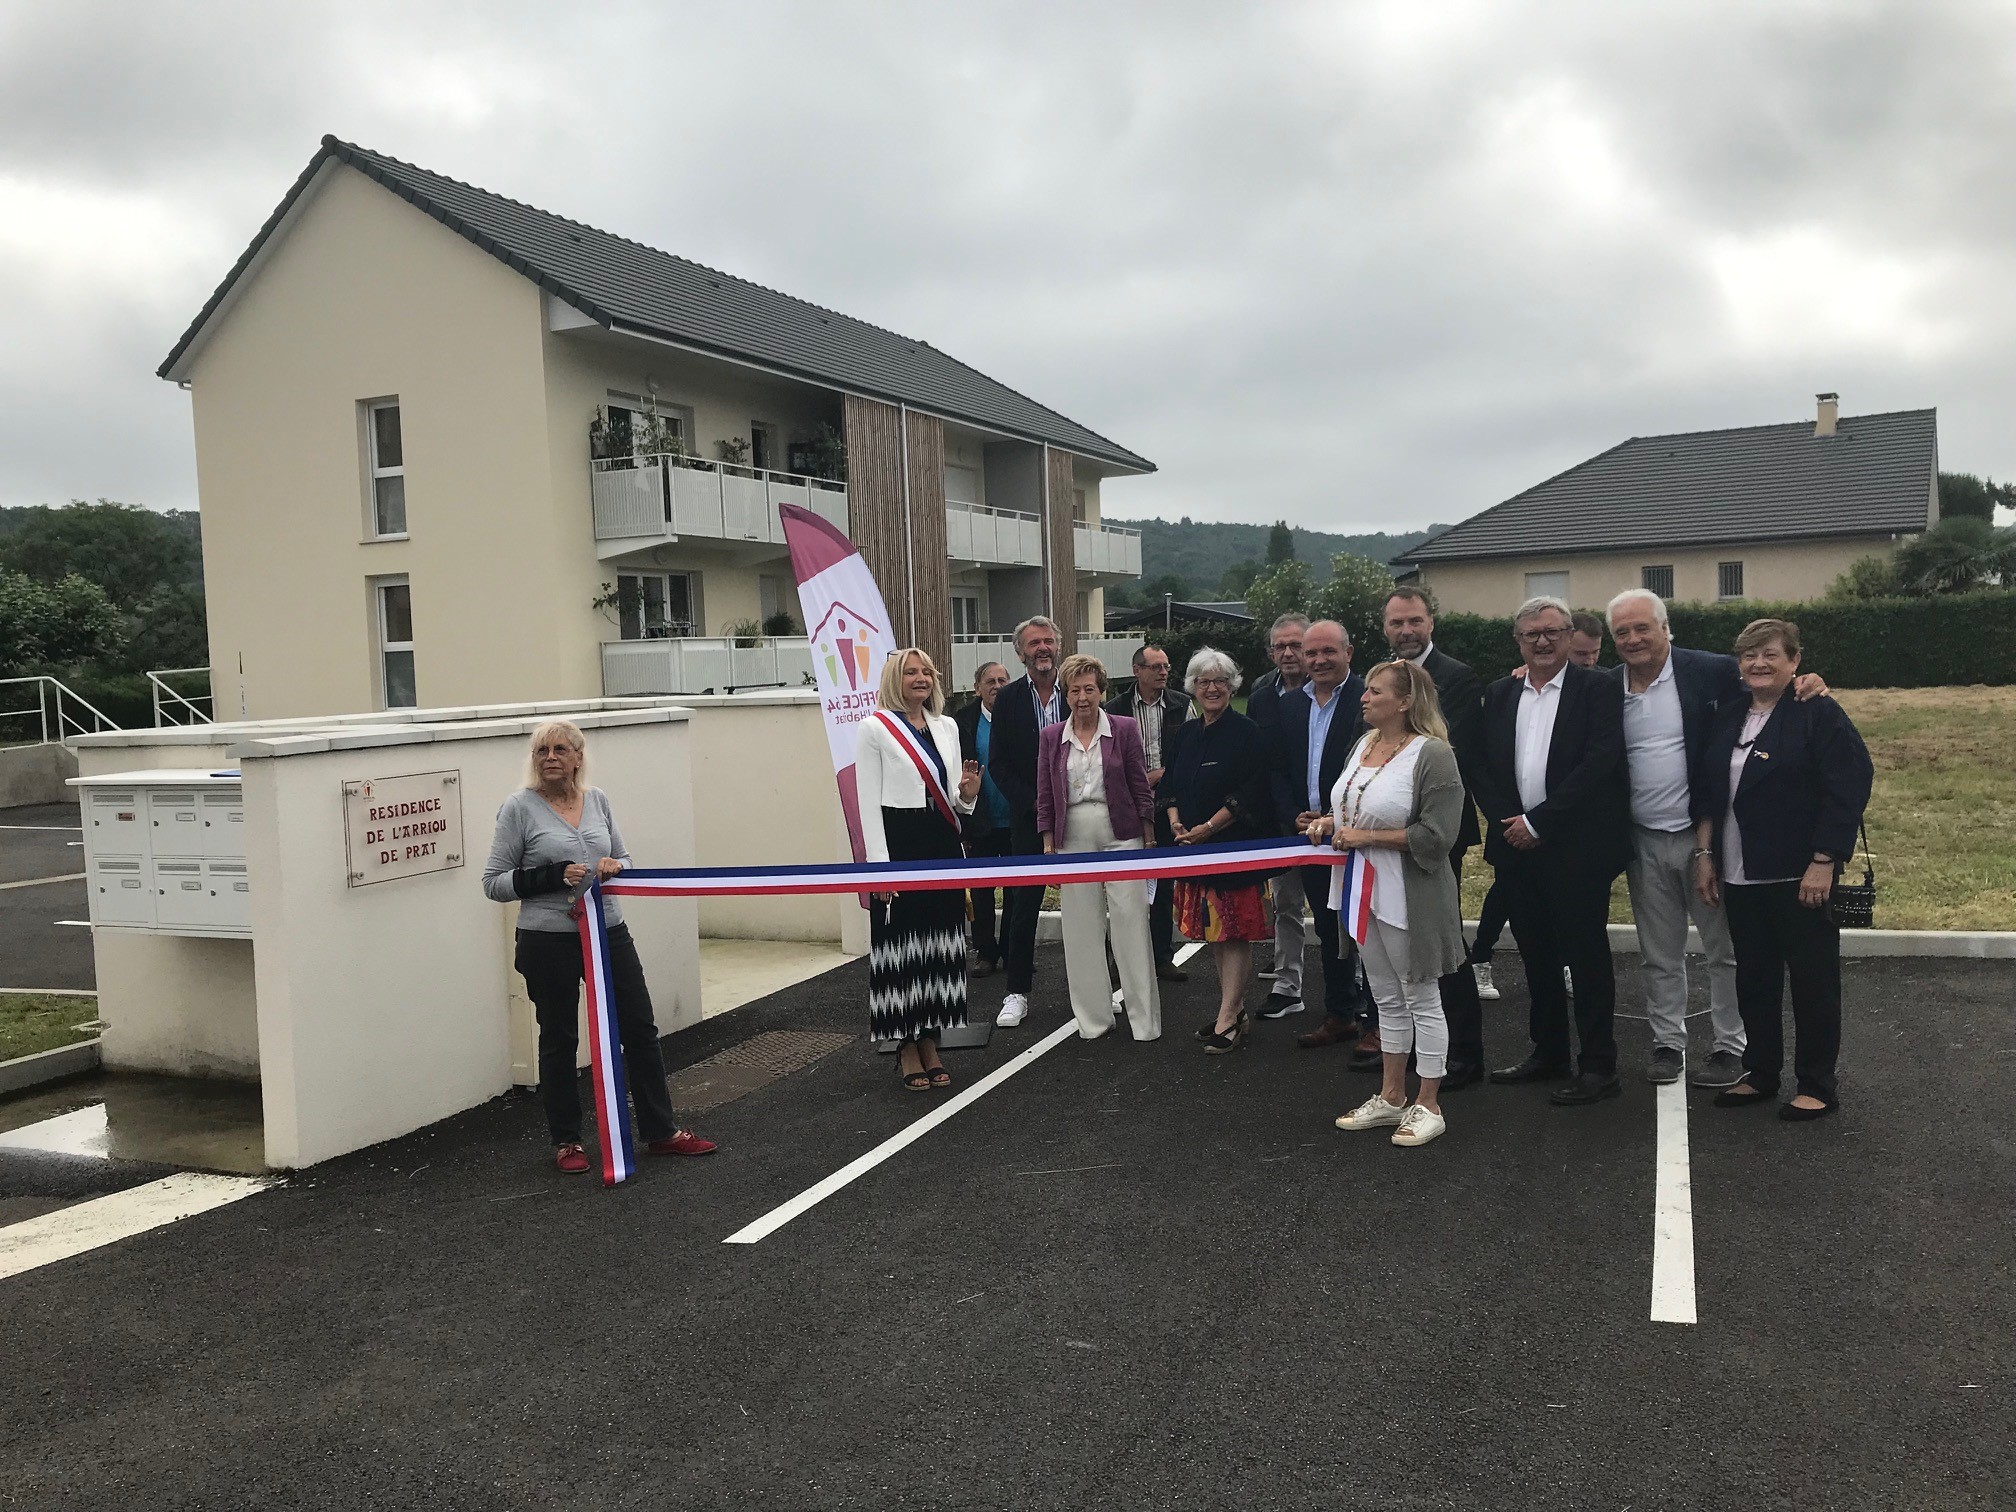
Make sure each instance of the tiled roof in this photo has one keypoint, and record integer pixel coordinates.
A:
(1874, 475)
(625, 285)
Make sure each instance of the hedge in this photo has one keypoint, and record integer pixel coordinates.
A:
(1943, 641)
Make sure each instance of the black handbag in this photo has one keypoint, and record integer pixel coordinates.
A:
(1853, 904)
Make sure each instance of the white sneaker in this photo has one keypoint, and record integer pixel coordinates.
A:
(1373, 1113)
(1485, 989)
(1567, 981)
(1014, 1009)
(1419, 1126)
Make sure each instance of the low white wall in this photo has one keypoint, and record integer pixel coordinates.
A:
(764, 795)
(180, 1006)
(36, 774)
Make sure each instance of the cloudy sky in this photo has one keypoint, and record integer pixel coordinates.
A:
(1364, 265)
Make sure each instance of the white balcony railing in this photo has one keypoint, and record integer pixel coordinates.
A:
(639, 498)
(994, 537)
(1109, 550)
(704, 664)
(971, 652)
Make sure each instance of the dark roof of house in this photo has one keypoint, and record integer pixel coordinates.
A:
(1759, 483)
(622, 284)
(1224, 612)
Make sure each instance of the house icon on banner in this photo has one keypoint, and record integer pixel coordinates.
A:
(842, 639)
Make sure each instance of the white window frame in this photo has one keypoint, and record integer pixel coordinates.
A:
(970, 599)
(770, 434)
(374, 471)
(387, 647)
(1537, 591)
(1722, 570)
(692, 603)
(682, 414)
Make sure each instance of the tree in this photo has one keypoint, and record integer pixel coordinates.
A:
(1956, 555)
(1356, 597)
(126, 550)
(1869, 577)
(1280, 544)
(1237, 579)
(1289, 588)
(54, 625)
(1964, 496)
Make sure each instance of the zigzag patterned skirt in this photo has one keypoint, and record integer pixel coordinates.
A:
(917, 944)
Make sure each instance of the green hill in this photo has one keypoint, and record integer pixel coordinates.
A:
(1197, 553)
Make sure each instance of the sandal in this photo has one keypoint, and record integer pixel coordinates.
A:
(940, 1077)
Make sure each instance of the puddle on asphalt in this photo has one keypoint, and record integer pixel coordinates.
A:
(162, 1120)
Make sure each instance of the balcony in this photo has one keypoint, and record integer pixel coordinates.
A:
(970, 652)
(704, 664)
(976, 536)
(645, 501)
(1107, 551)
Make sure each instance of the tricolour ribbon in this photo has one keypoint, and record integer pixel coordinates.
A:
(605, 1046)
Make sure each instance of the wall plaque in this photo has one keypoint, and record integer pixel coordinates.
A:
(397, 827)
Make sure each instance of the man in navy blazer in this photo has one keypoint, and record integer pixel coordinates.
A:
(1320, 722)
(1549, 776)
(1021, 709)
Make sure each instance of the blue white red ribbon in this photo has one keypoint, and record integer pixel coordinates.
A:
(1354, 882)
(612, 1112)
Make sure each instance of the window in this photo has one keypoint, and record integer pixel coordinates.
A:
(1078, 506)
(388, 469)
(1547, 585)
(656, 605)
(965, 613)
(395, 643)
(1657, 580)
(648, 430)
(962, 485)
(761, 448)
(1729, 580)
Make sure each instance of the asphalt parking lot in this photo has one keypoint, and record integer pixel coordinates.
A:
(1132, 1275)
(35, 950)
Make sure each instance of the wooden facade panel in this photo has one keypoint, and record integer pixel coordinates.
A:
(932, 608)
(875, 505)
(1060, 550)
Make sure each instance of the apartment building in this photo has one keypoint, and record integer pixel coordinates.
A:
(455, 450)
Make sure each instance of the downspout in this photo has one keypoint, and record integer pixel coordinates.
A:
(1049, 543)
(909, 536)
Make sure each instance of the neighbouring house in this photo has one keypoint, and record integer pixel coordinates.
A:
(455, 450)
(1767, 512)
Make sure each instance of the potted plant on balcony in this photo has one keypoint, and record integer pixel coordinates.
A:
(783, 622)
(745, 632)
(734, 451)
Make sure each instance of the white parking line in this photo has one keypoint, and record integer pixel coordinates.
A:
(812, 1196)
(44, 881)
(106, 1220)
(1672, 1212)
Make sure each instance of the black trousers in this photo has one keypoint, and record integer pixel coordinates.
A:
(1490, 918)
(1019, 908)
(986, 944)
(1561, 914)
(1775, 938)
(1460, 1004)
(1161, 910)
(1344, 994)
(550, 962)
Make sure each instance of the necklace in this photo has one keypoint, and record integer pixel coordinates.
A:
(1354, 797)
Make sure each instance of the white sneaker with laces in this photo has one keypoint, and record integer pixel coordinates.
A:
(1419, 1126)
(1373, 1113)
(1014, 1009)
(1568, 981)
(1486, 989)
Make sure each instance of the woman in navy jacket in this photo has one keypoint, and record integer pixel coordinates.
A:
(1778, 797)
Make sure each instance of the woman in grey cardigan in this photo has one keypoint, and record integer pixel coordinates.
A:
(1398, 804)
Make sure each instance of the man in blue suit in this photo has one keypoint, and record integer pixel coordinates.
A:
(1672, 697)
(1311, 740)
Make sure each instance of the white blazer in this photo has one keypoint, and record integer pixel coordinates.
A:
(884, 774)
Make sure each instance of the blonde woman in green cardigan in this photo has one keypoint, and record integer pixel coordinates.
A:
(1398, 803)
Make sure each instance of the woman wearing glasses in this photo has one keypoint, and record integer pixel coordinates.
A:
(1214, 791)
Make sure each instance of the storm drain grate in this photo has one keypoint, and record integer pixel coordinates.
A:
(755, 1062)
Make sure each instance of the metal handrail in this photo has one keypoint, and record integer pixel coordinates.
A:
(48, 710)
(989, 509)
(1120, 530)
(160, 688)
(703, 464)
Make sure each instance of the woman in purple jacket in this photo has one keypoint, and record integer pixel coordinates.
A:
(1092, 794)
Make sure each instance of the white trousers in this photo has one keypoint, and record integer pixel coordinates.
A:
(1096, 913)
(1410, 1013)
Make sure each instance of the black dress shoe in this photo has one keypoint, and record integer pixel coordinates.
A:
(1586, 1089)
(1461, 1074)
(985, 968)
(1169, 971)
(1533, 1068)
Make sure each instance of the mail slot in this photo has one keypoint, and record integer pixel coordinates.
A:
(181, 899)
(118, 822)
(230, 895)
(223, 824)
(175, 823)
(120, 893)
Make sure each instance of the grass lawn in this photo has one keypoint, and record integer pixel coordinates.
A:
(1942, 821)
(31, 1021)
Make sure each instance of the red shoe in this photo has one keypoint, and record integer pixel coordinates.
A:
(685, 1142)
(571, 1158)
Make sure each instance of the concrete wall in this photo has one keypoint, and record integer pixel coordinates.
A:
(369, 298)
(1771, 573)
(36, 774)
(178, 1006)
(770, 752)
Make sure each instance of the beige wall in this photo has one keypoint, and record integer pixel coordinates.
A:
(1771, 573)
(368, 298)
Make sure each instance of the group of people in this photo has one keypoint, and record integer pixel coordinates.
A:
(1728, 790)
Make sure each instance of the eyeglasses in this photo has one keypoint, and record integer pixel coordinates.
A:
(1535, 637)
(1212, 682)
